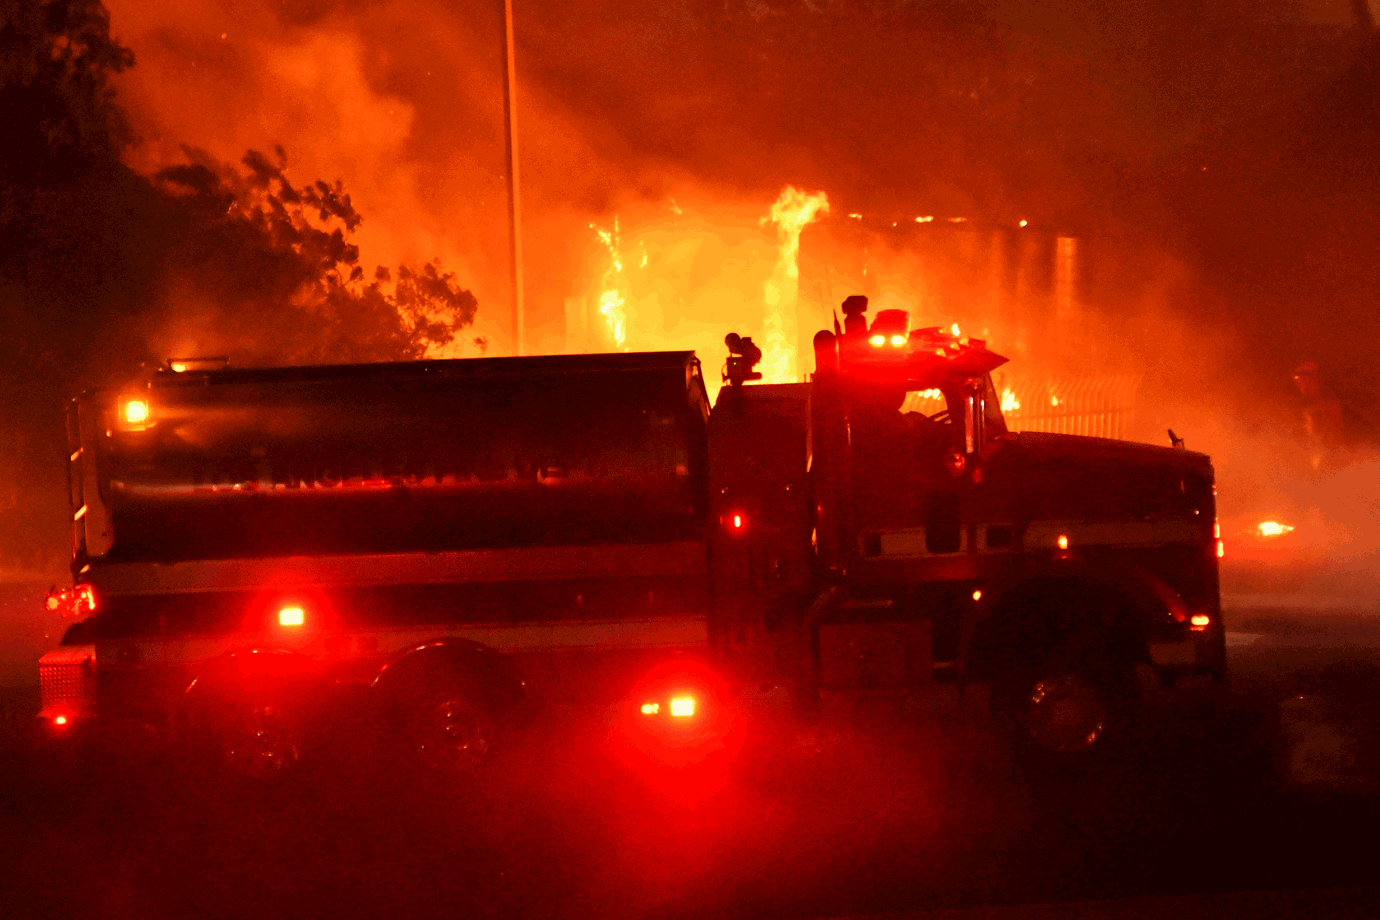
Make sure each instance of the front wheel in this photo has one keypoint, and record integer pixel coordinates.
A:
(1065, 714)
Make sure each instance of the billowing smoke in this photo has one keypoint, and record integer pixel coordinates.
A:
(1211, 169)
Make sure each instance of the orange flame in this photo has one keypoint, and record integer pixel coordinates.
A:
(611, 301)
(791, 213)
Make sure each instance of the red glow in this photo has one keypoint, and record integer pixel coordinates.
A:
(651, 709)
(1199, 622)
(59, 720)
(291, 616)
(683, 707)
(87, 595)
(1221, 549)
(1063, 541)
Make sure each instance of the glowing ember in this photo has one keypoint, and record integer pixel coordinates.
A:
(791, 213)
(1009, 402)
(1272, 529)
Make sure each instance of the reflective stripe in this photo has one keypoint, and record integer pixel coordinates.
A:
(1046, 534)
(493, 565)
(911, 542)
(560, 635)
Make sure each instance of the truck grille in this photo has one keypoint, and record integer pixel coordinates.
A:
(67, 680)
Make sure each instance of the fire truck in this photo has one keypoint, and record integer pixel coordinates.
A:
(457, 546)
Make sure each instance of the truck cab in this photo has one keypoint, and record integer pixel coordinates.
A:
(910, 536)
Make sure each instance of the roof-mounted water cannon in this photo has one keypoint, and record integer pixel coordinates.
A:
(743, 357)
(854, 318)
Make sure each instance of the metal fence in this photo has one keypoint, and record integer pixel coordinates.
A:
(1099, 407)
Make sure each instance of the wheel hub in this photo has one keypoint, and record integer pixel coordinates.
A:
(1066, 713)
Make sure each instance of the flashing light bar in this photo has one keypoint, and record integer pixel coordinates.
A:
(680, 707)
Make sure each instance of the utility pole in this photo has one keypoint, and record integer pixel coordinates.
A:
(514, 190)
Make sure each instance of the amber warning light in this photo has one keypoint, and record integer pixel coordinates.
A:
(135, 412)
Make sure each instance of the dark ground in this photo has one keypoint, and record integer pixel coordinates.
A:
(1261, 799)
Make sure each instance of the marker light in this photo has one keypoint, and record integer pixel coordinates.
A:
(977, 595)
(651, 709)
(898, 340)
(59, 720)
(877, 341)
(1221, 549)
(1199, 622)
(135, 412)
(178, 367)
(1063, 541)
(291, 616)
(683, 707)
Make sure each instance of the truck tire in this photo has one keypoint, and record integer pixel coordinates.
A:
(1067, 711)
(251, 724)
(446, 725)
(261, 741)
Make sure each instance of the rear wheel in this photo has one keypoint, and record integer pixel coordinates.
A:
(447, 726)
(261, 742)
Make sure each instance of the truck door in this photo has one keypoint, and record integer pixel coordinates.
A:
(906, 452)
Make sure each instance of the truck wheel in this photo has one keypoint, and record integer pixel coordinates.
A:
(1065, 714)
(448, 728)
(260, 742)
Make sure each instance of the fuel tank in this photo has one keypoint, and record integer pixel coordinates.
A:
(431, 455)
